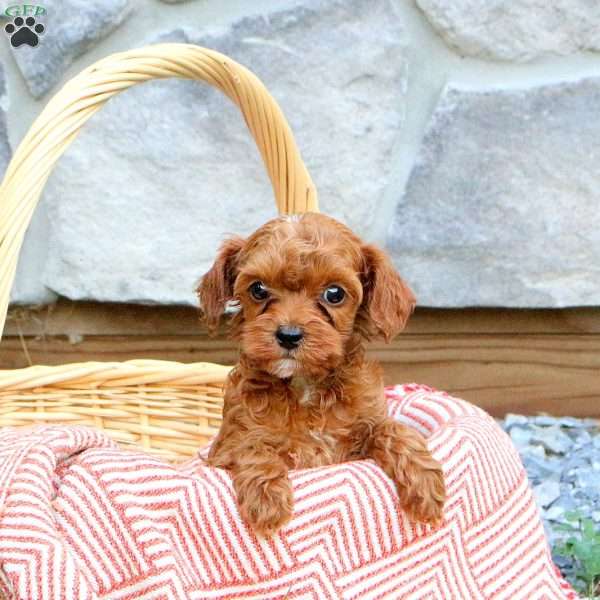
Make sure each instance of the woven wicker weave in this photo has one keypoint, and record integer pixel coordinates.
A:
(169, 408)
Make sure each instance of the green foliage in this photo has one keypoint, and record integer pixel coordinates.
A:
(581, 545)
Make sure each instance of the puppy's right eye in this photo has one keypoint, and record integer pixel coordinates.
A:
(258, 290)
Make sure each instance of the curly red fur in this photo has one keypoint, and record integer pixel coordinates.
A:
(323, 402)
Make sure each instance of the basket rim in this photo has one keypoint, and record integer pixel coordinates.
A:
(100, 374)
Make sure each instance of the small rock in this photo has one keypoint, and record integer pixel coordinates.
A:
(587, 478)
(596, 516)
(552, 438)
(583, 438)
(521, 437)
(574, 463)
(512, 419)
(555, 513)
(542, 468)
(566, 499)
(533, 451)
(546, 493)
(548, 421)
(562, 562)
(569, 477)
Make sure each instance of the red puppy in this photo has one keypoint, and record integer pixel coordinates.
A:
(308, 294)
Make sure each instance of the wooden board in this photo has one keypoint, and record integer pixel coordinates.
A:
(502, 360)
(89, 318)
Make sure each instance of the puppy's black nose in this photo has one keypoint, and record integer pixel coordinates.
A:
(288, 336)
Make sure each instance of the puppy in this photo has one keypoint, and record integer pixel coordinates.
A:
(308, 293)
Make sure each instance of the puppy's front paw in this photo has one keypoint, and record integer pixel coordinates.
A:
(403, 454)
(421, 489)
(266, 505)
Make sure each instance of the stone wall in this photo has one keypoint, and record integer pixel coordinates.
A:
(462, 135)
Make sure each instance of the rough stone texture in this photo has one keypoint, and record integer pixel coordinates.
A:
(519, 30)
(5, 151)
(501, 208)
(72, 27)
(26, 287)
(140, 202)
(547, 492)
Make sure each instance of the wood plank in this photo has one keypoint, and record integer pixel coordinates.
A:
(90, 318)
(528, 373)
(556, 374)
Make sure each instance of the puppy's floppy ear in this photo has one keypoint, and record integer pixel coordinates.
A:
(215, 288)
(387, 301)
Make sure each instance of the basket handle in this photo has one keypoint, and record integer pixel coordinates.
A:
(60, 122)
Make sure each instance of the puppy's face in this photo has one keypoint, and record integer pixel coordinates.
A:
(302, 286)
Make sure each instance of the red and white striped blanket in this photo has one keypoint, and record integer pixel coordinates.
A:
(81, 518)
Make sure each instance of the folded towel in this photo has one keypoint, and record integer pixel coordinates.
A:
(82, 519)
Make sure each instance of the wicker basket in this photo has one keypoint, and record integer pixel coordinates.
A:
(164, 407)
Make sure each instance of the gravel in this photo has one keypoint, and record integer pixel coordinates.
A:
(562, 459)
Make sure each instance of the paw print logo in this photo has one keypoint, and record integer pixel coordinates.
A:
(24, 31)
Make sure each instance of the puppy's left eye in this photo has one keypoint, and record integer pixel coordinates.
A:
(334, 294)
(258, 290)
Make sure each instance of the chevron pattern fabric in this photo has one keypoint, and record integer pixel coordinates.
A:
(82, 519)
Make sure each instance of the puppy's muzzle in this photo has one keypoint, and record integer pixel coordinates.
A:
(289, 337)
